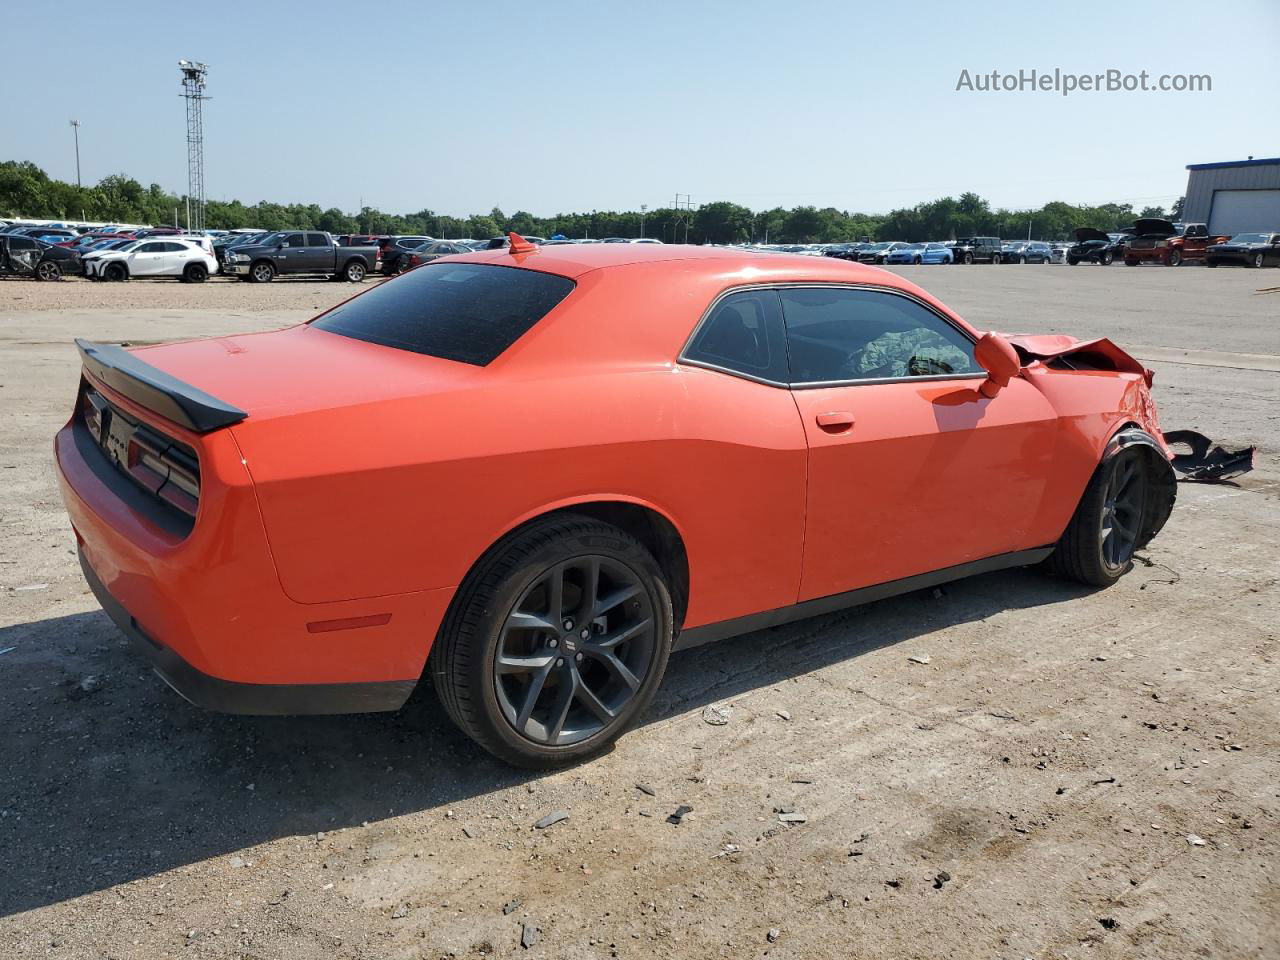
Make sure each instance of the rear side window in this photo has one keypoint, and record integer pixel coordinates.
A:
(465, 312)
(317, 240)
(744, 334)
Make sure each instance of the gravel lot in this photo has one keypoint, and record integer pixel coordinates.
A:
(1071, 774)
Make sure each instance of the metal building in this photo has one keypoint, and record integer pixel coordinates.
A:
(1238, 196)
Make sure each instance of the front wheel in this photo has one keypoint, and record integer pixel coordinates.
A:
(967, 258)
(262, 272)
(1098, 545)
(555, 643)
(48, 270)
(917, 261)
(1211, 263)
(1072, 261)
(1107, 258)
(115, 272)
(1130, 263)
(1258, 260)
(1175, 258)
(354, 272)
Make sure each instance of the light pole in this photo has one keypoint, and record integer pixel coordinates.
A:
(643, 208)
(75, 125)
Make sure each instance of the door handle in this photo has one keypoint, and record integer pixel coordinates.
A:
(836, 421)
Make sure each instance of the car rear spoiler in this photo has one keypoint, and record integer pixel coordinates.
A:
(156, 390)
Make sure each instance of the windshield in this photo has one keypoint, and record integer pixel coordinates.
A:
(1250, 238)
(878, 246)
(456, 311)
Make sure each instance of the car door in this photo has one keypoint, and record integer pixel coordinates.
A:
(319, 254)
(292, 253)
(176, 257)
(911, 469)
(148, 259)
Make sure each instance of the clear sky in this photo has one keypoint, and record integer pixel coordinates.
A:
(571, 106)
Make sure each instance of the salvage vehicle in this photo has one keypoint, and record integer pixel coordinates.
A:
(1246, 249)
(534, 472)
(25, 256)
(157, 257)
(1160, 241)
(299, 252)
(390, 248)
(1027, 251)
(1094, 246)
(424, 253)
(978, 250)
(877, 253)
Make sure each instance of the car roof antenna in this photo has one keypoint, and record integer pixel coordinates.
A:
(519, 244)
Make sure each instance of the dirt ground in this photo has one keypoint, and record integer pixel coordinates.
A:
(1071, 774)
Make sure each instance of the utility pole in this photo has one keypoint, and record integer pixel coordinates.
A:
(643, 208)
(683, 213)
(194, 77)
(75, 125)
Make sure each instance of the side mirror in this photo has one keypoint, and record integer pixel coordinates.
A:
(996, 355)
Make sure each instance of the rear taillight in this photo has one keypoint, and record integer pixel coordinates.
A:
(414, 259)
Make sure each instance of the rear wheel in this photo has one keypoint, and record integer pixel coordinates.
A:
(48, 270)
(1128, 262)
(917, 261)
(354, 272)
(1106, 258)
(967, 258)
(555, 643)
(1098, 545)
(195, 273)
(1073, 261)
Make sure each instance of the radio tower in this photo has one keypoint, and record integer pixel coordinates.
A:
(193, 81)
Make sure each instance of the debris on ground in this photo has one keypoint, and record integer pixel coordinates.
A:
(919, 658)
(783, 714)
(773, 934)
(717, 714)
(552, 818)
(1207, 462)
(727, 850)
(941, 878)
(510, 907)
(645, 788)
(792, 816)
(1195, 841)
(78, 689)
(528, 935)
(679, 814)
(400, 912)
(31, 586)
(1109, 922)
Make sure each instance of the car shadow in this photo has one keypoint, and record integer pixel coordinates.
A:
(108, 776)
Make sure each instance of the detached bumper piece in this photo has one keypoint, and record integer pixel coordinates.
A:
(1207, 462)
(226, 696)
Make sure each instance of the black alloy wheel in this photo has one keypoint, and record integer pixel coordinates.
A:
(48, 270)
(575, 649)
(1123, 502)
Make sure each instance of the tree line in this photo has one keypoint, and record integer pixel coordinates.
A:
(26, 190)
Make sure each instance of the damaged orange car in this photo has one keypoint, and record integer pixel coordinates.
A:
(534, 472)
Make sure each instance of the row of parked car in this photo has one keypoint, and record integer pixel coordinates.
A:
(117, 253)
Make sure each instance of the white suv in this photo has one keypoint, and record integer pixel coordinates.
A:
(154, 257)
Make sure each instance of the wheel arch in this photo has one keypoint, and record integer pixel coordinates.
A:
(653, 527)
(1131, 435)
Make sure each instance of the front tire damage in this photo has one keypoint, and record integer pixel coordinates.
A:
(1127, 502)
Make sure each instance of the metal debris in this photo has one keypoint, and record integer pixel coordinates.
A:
(919, 658)
(528, 935)
(552, 818)
(773, 934)
(677, 817)
(792, 816)
(717, 714)
(1195, 841)
(645, 788)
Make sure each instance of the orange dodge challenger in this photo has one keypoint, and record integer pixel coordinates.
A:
(534, 472)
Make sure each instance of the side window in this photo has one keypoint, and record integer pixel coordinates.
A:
(317, 240)
(838, 334)
(21, 243)
(171, 247)
(293, 240)
(744, 333)
(151, 248)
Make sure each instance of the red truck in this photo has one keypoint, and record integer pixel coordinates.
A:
(1161, 241)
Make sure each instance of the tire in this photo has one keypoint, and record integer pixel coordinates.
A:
(48, 270)
(1020, 260)
(1087, 552)
(263, 271)
(1073, 261)
(1107, 259)
(995, 259)
(1130, 263)
(1259, 260)
(195, 273)
(1174, 259)
(115, 272)
(917, 261)
(354, 272)
(967, 258)
(486, 618)
(1211, 263)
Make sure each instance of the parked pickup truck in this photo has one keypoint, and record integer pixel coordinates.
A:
(1159, 241)
(299, 252)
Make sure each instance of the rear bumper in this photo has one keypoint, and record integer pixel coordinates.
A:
(226, 696)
